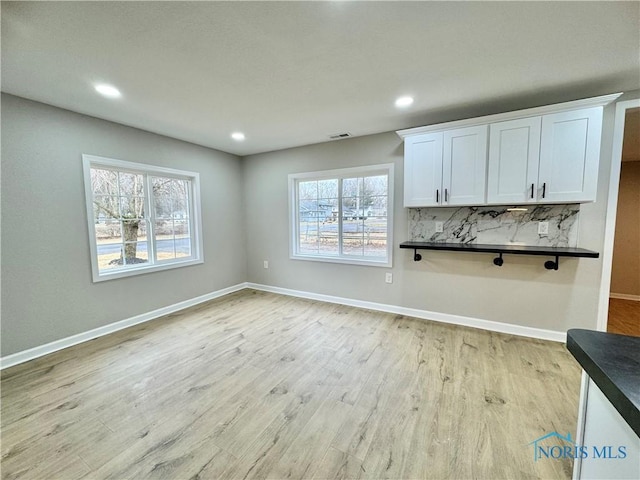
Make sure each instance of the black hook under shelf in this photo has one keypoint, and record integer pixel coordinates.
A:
(498, 261)
(551, 265)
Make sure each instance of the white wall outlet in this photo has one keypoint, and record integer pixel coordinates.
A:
(439, 227)
(543, 228)
(388, 277)
(266, 264)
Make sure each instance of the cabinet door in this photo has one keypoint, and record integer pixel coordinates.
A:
(569, 156)
(464, 166)
(605, 430)
(514, 155)
(423, 170)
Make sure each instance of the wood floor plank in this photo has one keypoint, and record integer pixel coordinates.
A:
(264, 451)
(167, 454)
(337, 465)
(624, 317)
(258, 385)
(273, 398)
(307, 450)
(387, 453)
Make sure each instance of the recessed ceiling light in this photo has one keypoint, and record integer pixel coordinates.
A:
(402, 102)
(108, 90)
(237, 136)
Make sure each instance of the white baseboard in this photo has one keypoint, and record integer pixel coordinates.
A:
(553, 335)
(625, 296)
(30, 354)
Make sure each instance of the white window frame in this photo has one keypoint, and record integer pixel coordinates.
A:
(294, 213)
(197, 257)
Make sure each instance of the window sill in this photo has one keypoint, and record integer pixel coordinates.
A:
(130, 272)
(345, 260)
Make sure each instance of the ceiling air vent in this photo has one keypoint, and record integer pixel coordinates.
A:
(338, 136)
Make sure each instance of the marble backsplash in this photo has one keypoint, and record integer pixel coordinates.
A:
(496, 225)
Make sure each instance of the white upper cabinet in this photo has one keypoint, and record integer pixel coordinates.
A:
(569, 155)
(548, 159)
(545, 154)
(423, 170)
(464, 166)
(514, 155)
(445, 168)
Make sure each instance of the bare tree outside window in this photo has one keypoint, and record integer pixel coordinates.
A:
(140, 219)
(119, 204)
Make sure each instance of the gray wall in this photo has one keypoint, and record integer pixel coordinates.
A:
(522, 292)
(47, 292)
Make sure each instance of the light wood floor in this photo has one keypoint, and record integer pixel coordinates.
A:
(258, 385)
(624, 317)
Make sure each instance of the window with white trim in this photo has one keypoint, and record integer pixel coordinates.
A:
(343, 216)
(141, 218)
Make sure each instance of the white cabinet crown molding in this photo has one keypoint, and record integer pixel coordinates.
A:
(500, 117)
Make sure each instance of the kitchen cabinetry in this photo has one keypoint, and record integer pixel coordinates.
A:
(541, 155)
(423, 170)
(514, 157)
(607, 441)
(547, 159)
(569, 155)
(446, 168)
(464, 167)
(615, 448)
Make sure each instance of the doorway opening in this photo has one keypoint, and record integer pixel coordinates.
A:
(624, 295)
(619, 309)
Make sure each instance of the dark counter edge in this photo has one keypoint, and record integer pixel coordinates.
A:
(610, 389)
(509, 249)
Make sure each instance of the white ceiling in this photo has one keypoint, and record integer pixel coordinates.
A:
(292, 73)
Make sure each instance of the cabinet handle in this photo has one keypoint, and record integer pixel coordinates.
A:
(532, 190)
(446, 195)
(544, 189)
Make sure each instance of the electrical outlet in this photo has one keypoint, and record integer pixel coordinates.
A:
(543, 228)
(266, 264)
(388, 277)
(439, 227)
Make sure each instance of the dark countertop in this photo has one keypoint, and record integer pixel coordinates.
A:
(511, 249)
(613, 363)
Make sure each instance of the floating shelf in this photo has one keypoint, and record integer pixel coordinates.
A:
(556, 252)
